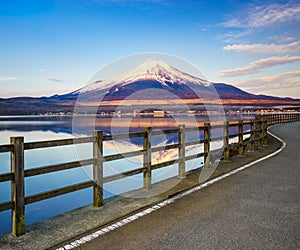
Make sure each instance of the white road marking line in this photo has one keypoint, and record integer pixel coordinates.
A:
(138, 215)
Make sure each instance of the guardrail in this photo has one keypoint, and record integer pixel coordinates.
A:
(274, 118)
(257, 138)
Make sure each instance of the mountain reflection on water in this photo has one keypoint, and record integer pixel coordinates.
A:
(63, 123)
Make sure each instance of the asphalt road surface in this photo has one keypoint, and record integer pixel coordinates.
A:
(257, 208)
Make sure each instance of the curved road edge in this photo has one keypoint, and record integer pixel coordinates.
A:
(82, 240)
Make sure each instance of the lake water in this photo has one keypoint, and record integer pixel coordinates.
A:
(38, 128)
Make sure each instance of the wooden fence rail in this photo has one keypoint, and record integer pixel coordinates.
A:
(257, 138)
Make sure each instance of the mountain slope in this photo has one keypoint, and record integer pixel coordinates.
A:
(150, 70)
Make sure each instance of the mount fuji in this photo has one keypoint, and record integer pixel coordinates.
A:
(152, 80)
(154, 75)
(151, 70)
(150, 76)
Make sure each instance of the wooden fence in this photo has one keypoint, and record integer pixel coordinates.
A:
(257, 138)
(275, 118)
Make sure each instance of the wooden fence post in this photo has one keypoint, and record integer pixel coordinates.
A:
(240, 142)
(226, 141)
(280, 118)
(261, 132)
(98, 169)
(147, 158)
(181, 150)
(266, 117)
(265, 129)
(272, 119)
(252, 136)
(206, 144)
(257, 131)
(17, 186)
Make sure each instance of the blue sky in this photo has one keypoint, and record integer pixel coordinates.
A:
(49, 47)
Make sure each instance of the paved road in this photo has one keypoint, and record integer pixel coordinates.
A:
(258, 208)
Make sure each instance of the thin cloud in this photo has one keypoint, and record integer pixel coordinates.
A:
(266, 15)
(273, 86)
(4, 79)
(43, 70)
(281, 81)
(281, 76)
(260, 48)
(54, 79)
(231, 37)
(257, 66)
(259, 18)
(282, 38)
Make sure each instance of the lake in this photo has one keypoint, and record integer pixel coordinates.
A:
(38, 128)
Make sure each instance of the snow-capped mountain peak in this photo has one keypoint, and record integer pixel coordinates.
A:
(150, 69)
(159, 71)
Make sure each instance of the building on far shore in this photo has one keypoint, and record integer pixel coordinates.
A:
(158, 113)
